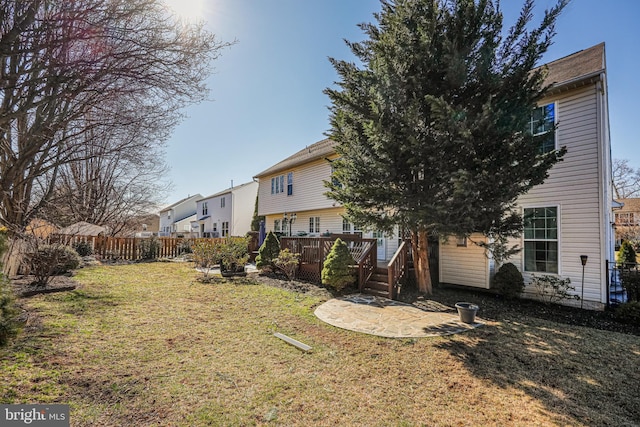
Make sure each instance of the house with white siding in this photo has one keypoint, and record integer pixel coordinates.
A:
(570, 214)
(291, 196)
(226, 213)
(175, 219)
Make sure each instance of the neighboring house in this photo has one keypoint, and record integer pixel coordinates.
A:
(571, 213)
(83, 228)
(40, 228)
(627, 220)
(226, 213)
(175, 220)
(291, 195)
(145, 225)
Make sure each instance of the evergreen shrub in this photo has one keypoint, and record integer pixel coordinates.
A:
(336, 272)
(629, 312)
(508, 281)
(626, 255)
(8, 312)
(268, 252)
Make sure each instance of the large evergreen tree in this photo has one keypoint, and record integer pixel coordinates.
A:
(433, 126)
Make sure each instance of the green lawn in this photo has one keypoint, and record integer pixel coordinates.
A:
(146, 344)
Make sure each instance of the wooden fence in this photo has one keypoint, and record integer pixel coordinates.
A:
(132, 248)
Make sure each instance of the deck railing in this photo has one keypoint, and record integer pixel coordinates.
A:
(314, 250)
(397, 268)
(367, 263)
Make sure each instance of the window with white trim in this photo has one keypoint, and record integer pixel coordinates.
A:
(461, 241)
(346, 226)
(222, 202)
(225, 229)
(205, 208)
(314, 224)
(277, 184)
(276, 226)
(541, 239)
(290, 184)
(542, 124)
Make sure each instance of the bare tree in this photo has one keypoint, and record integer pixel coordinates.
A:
(82, 79)
(74, 72)
(626, 180)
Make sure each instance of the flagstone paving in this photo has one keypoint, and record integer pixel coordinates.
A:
(394, 319)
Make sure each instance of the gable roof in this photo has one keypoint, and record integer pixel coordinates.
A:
(630, 205)
(313, 152)
(83, 228)
(575, 68)
(180, 202)
(227, 191)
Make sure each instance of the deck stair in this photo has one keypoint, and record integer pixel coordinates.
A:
(378, 283)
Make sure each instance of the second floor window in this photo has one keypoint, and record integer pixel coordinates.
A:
(222, 202)
(542, 124)
(290, 184)
(277, 184)
(205, 208)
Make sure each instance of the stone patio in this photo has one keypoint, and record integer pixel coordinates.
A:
(393, 319)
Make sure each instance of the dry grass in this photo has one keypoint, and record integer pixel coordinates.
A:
(148, 345)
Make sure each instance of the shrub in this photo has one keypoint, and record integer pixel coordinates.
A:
(234, 253)
(149, 248)
(83, 248)
(288, 261)
(206, 254)
(47, 261)
(626, 255)
(336, 272)
(508, 281)
(628, 312)
(8, 312)
(268, 252)
(553, 289)
(631, 283)
(185, 247)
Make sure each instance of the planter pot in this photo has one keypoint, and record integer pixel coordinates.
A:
(234, 271)
(467, 311)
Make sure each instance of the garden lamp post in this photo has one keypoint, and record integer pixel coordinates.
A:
(288, 220)
(583, 260)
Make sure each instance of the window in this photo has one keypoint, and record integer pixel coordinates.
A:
(314, 224)
(225, 229)
(461, 241)
(541, 240)
(542, 122)
(215, 226)
(290, 184)
(277, 184)
(222, 202)
(276, 226)
(169, 215)
(346, 226)
(627, 219)
(205, 208)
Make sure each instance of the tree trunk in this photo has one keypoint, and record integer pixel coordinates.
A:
(420, 246)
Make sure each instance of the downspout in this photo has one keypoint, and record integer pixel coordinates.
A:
(603, 173)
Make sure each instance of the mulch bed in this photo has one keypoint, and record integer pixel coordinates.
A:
(23, 286)
(492, 306)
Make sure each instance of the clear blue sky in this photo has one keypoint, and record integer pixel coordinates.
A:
(267, 101)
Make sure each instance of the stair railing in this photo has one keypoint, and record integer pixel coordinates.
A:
(397, 268)
(367, 263)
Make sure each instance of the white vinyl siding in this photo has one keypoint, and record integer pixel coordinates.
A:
(307, 187)
(464, 265)
(574, 186)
